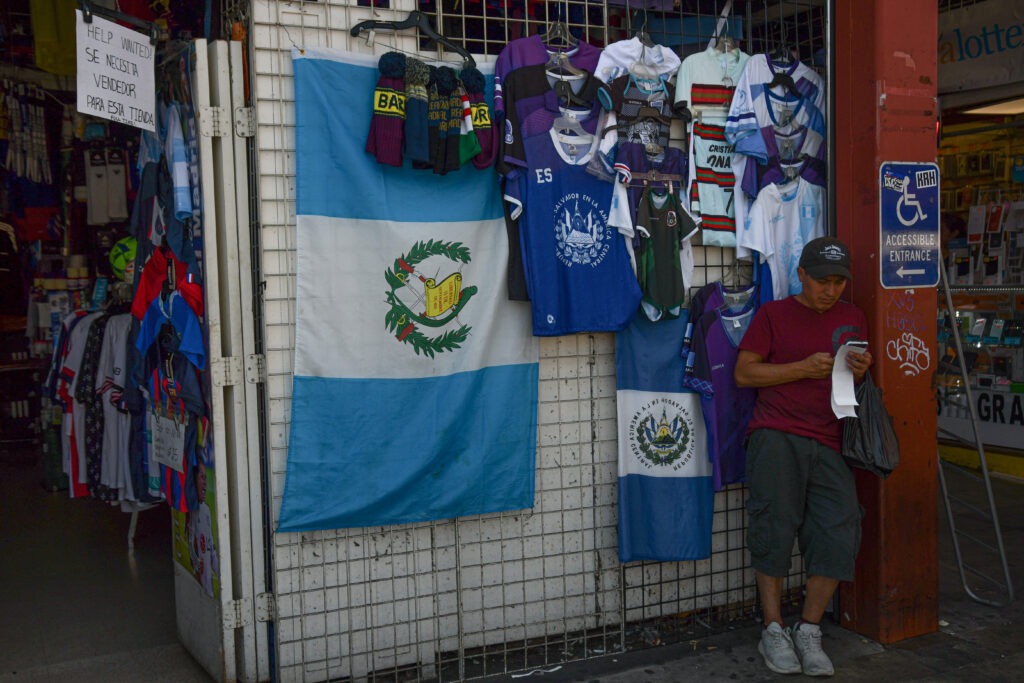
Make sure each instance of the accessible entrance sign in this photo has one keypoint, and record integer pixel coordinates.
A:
(115, 72)
(908, 204)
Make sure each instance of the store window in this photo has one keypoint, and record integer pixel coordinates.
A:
(981, 158)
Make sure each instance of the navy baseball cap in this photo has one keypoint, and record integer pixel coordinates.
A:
(826, 256)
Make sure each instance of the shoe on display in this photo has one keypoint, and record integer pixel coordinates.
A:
(807, 643)
(776, 647)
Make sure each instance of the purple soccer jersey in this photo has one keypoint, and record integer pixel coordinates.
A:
(727, 408)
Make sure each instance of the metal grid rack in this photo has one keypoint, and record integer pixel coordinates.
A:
(478, 596)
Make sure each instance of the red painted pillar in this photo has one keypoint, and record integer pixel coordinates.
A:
(885, 78)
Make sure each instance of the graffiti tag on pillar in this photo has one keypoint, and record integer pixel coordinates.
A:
(910, 352)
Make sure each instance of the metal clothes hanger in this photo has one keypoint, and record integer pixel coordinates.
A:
(558, 36)
(780, 52)
(641, 32)
(417, 20)
(724, 41)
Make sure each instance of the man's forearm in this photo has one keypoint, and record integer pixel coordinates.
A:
(754, 371)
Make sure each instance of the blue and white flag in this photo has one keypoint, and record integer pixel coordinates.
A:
(666, 497)
(415, 390)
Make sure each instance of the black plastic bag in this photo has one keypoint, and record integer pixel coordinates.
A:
(869, 440)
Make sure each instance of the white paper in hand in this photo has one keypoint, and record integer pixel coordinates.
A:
(844, 396)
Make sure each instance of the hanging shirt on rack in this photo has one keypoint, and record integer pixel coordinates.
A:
(726, 408)
(175, 313)
(705, 84)
(85, 392)
(530, 51)
(153, 277)
(530, 90)
(177, 164)
(538, 112)
(619, 57)
(632, 160)
(577, 266)
(73, 437)
(175, 392)
(782, 220)
(715, 296)
(752, 126)
(110, 378)
(664, 259)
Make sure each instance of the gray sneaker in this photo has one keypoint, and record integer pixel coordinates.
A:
(776, 647)
(807, 643)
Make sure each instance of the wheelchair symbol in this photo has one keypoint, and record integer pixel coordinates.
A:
(909, 201)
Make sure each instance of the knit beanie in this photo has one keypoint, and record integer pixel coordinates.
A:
(483, 128)
(417, 138)
(388, 120)
(450, 123)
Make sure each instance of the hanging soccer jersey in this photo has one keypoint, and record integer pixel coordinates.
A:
(619, 57)
(704, 86)
(175, 393)
(110, 378)
(529, 51)
(727, 409)
(664, 258)
(712, 184)
(783, 219)
(577, 266)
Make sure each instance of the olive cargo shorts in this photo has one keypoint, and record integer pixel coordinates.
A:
(800, 489)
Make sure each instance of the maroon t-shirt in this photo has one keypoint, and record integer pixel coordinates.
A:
(786, 331)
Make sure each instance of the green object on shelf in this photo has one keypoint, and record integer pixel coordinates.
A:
(51, 468)
(1017, 387)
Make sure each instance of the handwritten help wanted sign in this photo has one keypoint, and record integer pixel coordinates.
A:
(115, 73)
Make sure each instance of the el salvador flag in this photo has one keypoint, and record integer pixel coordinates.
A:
(415, 388)
(666, 495)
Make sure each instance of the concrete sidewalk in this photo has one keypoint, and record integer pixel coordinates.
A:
(974, 642)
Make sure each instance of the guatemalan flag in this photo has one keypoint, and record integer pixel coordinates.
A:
(415, 390)
(666, 496)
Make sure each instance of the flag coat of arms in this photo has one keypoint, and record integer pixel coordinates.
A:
(415, 383)
(666, 496)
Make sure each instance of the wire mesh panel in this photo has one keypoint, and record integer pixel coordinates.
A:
(476, 596)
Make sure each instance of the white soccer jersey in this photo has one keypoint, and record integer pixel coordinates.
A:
(617, 58)
(111, 372)
(74, 416)
(705, 84)
(782, 220)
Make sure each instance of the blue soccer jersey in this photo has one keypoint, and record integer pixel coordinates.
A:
(577, 266)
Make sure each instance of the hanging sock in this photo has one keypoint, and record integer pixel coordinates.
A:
(96, 186)
(117, 191)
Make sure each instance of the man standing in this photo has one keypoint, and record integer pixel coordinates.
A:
(800, 487)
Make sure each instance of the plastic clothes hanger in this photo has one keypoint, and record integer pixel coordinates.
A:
(785, 80)
(559, 37)
(568, 124)
(641, 32)
(564, 74)
(724, 41)
(559, 65)
(418, 20)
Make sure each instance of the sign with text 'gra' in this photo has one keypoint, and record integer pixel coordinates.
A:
(115, 73)
(908, 234)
